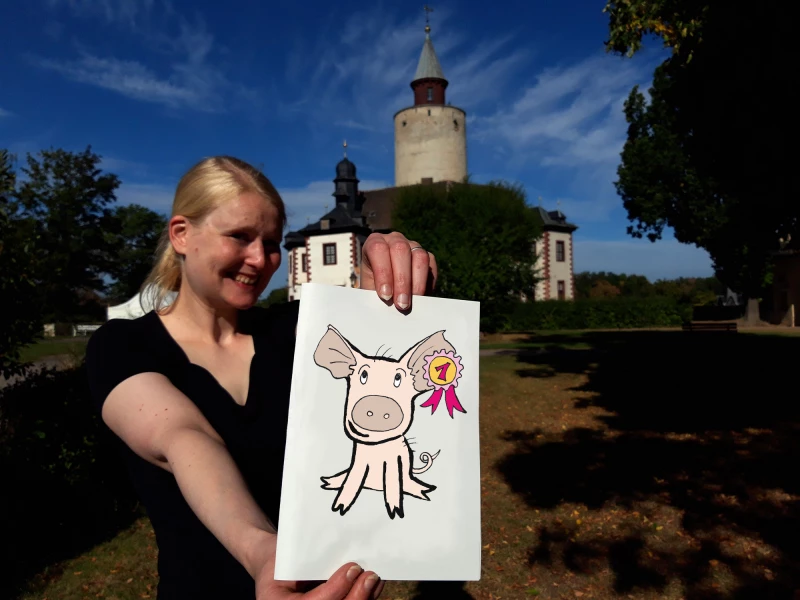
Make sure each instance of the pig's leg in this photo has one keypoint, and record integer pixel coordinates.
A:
(353, 483)
(334, 482)
(414, 487)
(410, 484)
(393, 487)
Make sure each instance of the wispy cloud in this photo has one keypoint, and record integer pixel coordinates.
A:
(665, 259)
(192, 79)
(571, 122)
(365, 71)
(5, 113)
(128, 12)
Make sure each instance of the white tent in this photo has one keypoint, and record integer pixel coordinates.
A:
(133, 309)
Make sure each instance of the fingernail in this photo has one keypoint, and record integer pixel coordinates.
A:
(402, 301)
(353, 572)
(378, 590)
(371, 581)
(386, 291)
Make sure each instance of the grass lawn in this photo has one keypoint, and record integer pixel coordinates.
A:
(646, 465)
(71, 346)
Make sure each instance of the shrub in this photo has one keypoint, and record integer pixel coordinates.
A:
(64, 485)
(620, 312)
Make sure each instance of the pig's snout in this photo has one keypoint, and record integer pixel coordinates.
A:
(377, 413)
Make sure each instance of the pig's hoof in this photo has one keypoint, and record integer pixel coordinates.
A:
(395, 510)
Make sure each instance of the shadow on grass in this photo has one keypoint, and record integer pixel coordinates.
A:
(703, 423)
(63, 490)
(441, 590)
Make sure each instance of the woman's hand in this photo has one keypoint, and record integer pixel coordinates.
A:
(347, 583)
(396, 268)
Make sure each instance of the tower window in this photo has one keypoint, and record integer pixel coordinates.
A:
(455, 124)
(304, 263)
(562, 295)
(430, 94)
(429, 112)
(404, 123)
(560, 251)
(329, 254)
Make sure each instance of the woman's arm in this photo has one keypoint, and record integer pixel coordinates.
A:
(164, 427)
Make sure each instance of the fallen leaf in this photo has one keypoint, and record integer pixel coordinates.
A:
(528, 527)
(129, 580)
(578, 594)
(77, 572)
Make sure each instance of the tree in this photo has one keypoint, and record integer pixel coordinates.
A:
(276, 296)
(133, 241)
(706, 155)
(603, 289)
(482, 237)
(20, 318)
(64, 205)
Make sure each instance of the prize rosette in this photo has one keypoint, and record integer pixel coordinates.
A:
(442, 371)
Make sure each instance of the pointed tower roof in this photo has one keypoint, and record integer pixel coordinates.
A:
(428, 66)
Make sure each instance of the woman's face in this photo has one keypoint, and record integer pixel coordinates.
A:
(232, 254)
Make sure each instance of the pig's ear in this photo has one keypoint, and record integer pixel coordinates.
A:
(415, 357)
(335, 354)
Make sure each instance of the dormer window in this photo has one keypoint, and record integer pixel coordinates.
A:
(430, 94)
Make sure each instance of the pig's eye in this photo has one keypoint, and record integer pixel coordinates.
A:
(363, 377)
(386, 416)
(397, 380)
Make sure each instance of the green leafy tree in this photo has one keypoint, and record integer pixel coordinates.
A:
(20, 318)
(133, 240)
(705, 156)
(63, 204)
(482, 237)
(276, 296)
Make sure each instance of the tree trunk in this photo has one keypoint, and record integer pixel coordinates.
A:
(751, 315)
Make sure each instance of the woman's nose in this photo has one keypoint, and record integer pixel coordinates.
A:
(256, 256)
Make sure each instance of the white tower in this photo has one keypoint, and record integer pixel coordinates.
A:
(430, 137)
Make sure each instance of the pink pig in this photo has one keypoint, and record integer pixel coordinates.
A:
(379, 410)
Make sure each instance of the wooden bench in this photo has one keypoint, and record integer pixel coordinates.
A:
(710, 326)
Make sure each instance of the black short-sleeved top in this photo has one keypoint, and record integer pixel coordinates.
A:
(192, 563)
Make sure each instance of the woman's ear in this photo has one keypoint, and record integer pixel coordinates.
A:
(178, 233)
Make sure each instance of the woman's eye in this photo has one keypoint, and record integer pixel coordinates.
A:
(397, 380)
(363, 377)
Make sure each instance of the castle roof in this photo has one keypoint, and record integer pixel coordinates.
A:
(555, 220)
(428, 66)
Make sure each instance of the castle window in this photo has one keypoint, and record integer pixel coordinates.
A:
(560, 251)
(429, 112)
(562, 294)
(455, 124)
(404, 123)
(430, 94)
(304, 263)
(329, 254)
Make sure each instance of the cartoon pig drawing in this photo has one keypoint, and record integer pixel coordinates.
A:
(378, 412)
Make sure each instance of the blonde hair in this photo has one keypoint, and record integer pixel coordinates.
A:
(206, 186)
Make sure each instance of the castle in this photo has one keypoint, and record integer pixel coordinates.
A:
(430, 148)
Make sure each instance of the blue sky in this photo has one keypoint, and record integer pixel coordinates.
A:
(155, 86)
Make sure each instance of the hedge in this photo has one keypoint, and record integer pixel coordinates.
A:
(65, 487)
(621, 313)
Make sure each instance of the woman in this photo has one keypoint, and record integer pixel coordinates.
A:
(197, 391)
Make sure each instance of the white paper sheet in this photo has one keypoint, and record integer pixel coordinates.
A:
(435, 539)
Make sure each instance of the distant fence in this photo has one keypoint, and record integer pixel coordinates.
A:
(70, 329)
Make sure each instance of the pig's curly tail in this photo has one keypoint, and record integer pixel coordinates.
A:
(427, 460)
